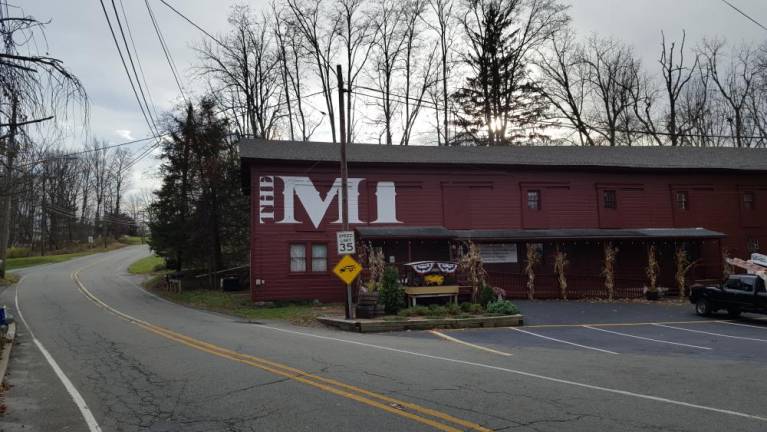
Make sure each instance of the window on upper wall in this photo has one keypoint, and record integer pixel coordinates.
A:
(610, 199)
(682, 201)
(753, 246)
(319, 258)
(298, 258)
(534, 200)
(749, 201)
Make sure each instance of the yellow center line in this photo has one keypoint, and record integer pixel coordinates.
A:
(392, 405)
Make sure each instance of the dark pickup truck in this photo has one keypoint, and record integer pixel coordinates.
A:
(740, 293)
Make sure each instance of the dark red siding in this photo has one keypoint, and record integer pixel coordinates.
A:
(491, 198)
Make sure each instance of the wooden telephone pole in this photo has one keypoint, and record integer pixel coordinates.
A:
(344, 176)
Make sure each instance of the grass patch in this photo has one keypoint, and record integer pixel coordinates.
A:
(240, 304)
(10, 279)
(132, 240)
(150, 264)
(22, 262)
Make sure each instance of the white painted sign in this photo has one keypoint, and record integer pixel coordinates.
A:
(759, 259)
(346, 243)
(316, 206)
(497, 253)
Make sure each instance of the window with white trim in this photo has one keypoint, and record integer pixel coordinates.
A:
(297, 258)
(319, 258)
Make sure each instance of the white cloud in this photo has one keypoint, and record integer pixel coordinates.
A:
(124, 134)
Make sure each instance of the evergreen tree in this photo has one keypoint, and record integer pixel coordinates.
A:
(500, 102)
(200, 216)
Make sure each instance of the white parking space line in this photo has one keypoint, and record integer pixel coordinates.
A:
(93, 425)
(563, 341)
(646, 338)
(712, 334)
(524, 373)
(743, 325)
(468, 344)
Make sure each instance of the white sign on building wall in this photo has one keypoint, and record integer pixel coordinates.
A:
(498, 253)
(302, 189)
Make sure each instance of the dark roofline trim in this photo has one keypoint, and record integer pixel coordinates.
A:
(570, 157)
(441, 233)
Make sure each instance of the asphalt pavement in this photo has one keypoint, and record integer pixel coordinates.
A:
(96, 352)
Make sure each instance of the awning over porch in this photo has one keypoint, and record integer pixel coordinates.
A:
(442, 233)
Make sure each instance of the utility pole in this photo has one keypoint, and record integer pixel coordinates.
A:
(6, 193)
(344, 176)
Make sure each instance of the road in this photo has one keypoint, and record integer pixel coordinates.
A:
(120, 359)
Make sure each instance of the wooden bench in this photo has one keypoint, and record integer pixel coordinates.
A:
(414, 293)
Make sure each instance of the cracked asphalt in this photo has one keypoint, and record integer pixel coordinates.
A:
(137, 380)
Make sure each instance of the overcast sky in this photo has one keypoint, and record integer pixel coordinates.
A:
(78, 35)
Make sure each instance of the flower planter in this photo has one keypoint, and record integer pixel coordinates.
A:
(368, 307)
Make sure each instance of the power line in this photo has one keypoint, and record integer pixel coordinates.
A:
(427, 104)
(138, 59)
(125, 66)
(753, 20)
(133, 65)
(194, 24)
(93, 150)
(166, 52)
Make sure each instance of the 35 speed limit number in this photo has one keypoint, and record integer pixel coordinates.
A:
(346, 243)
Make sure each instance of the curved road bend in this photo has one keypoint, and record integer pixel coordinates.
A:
(140, 363)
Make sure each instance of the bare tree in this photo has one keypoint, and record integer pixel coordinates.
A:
(356, 33)
(388, 42)
(34, 88)
(443, 14)
(419, 71)
(565, 76)
(246, 70)
(676, 74)
(612, 76)
(735, 84)
(318, 32)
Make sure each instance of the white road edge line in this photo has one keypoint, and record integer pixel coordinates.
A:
(528, 374)
(712, 334)
(645, 338)
(93, 425)
(743, 325)
(563, 341)
(468, 344)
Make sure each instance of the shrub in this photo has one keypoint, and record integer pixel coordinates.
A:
(486, 295)
(19, 252)
(502, 307)
(453, 309)
(437, 310)
(391, 294)
(414, 311)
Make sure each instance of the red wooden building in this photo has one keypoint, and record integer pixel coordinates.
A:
(422, 203)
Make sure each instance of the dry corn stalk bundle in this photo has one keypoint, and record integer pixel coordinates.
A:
(683, 266)
(533, 259)
(471, 264)
(608, 270)
(560, 264)
(726, 266)
(653, 268)
(376, 264)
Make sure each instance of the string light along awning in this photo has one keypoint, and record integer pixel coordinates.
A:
(442, 233)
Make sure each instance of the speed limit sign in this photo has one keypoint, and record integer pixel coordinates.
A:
(345, 242)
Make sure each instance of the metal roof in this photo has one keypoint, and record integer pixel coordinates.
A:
(710, 158)
(440, 233)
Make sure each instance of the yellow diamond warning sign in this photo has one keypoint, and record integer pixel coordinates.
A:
(347, 269)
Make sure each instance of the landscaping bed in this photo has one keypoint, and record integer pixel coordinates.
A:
(398, 323)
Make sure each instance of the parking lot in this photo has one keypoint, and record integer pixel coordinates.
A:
(668, 330)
